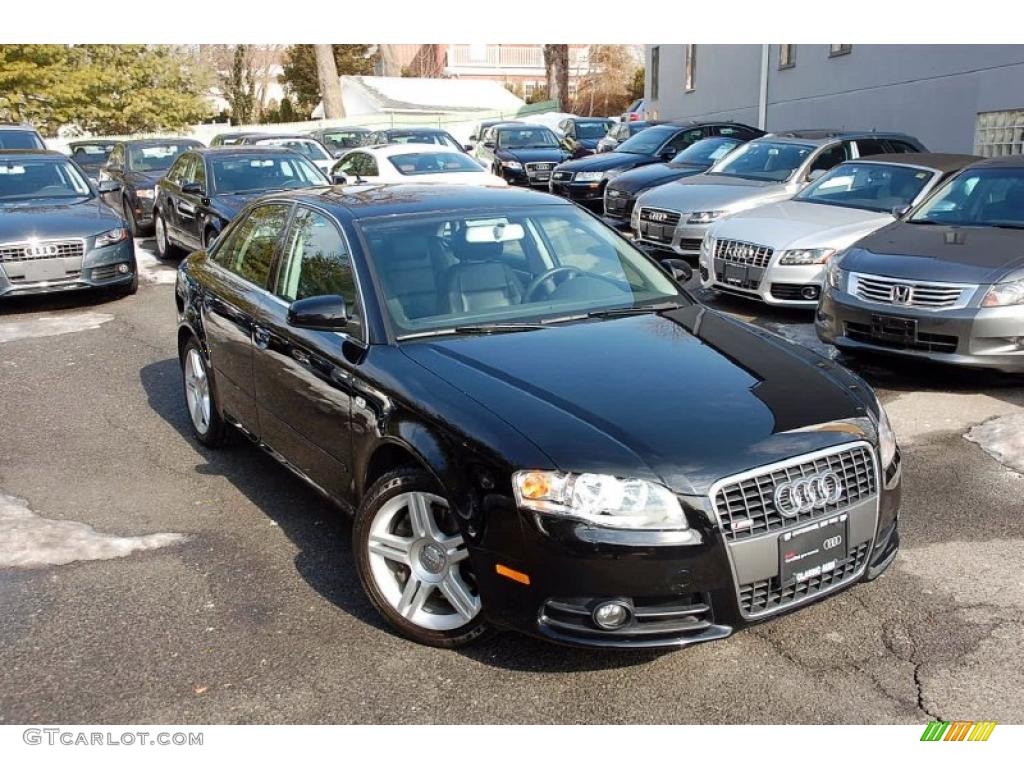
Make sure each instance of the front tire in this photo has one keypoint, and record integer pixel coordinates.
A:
(414, 564)
(129, 216)
(165, 249)
(200, 399)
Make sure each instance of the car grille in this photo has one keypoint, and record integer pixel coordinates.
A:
(44, 249)
(743, 253)
(657, 224)
(924, 342)
(106, 272)
(910, 293)
(539, 169)
(618, 203)
(690, 243)
(562, 175)
(760, 596)
(746, 507)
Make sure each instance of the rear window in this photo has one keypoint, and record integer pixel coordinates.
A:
(423, 163)
(18, 139)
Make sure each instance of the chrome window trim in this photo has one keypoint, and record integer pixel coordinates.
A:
(778, 465)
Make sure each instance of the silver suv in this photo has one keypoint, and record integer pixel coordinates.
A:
(675, 217)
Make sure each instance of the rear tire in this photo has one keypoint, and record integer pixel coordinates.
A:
(165, 249)
(200, 398)
(413, 562)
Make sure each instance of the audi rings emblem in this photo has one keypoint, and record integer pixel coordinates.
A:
(808, 493)
(40, 251)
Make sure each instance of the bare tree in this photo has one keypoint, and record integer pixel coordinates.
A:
(330, 85)
(390, 64)
(556, 67)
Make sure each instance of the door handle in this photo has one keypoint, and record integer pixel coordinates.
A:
(260, 336)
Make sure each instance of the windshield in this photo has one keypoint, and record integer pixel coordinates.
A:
(20, 140)
(592, 130)
(706, 151)
(980, 197)
(344, 139)
(255, 173)
(154, 157)
(526, 138)
(764, 160)
(423, 163)
(30, 179)
(648, 141)
(418, 137)
(440, 272)
(871, 186)
(90, 154)
(305, 147)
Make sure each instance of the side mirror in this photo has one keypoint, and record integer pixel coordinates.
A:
(467, 147)
(319, 313)
(678, 269)
(489, 144)
(192, 188)
(816, 174)
(901, 210)
(107, 186)
(339, 178)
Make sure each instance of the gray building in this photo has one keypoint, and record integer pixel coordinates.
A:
(954, 98)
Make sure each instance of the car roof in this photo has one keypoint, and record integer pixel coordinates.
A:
(84, 142)
(240, 149)
(939, 161)
(518, 126)
(17, 127)
(414, 129)
(265, 136)
(158, 142)
(388, 150)
(826, 135)
(372, 200)
(33, 153)
(1005, 161)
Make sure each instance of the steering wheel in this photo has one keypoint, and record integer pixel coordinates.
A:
(548, 276)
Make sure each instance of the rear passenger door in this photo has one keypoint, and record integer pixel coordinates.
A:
(303, 377)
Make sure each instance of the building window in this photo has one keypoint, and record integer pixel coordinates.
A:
(999, 133)
(690, 81)
(655, 68)
(787, 56)
(839, 49)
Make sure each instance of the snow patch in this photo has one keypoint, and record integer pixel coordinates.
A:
(52, 325)
(1002, 439)
(30, 541)
(151, 269)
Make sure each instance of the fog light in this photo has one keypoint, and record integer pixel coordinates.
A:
(123, 269)
(809, 292)
(611, 615)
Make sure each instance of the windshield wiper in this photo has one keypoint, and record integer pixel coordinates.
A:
(484, 328)
(641, 310)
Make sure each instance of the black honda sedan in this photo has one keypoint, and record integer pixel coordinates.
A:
(56, 234)
(584, 180)
(207, 187)
(535, 426)
(521, 154)
(137, 166)
(621, 192)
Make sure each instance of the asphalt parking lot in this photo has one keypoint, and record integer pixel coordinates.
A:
(146, 579)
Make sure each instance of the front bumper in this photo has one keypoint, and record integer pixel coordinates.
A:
(680, 239)
(98, 268)
(778, 285)
(618, 208)
(538, 179)
(982, 337)
(587, 193)
(682, 587)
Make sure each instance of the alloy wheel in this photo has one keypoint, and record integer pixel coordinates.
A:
(161, 236)
(418, 562)
(197, 391)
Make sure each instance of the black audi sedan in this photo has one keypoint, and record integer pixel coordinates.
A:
(136, 166)
(619, 132)
(534, 425)
(582, 134)
(584, 180)
(621, 192)
(56, 234)
(943, 283)
(206, 187)
(521, 154)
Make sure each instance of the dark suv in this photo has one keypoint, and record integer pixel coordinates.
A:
(584, 180)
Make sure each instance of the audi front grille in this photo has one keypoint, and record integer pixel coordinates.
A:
(767, 595)
(42, 249)
(739, 252)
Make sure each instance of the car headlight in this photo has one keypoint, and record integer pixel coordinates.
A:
(146, 194)
(703, 217)
(589, 176)
(1005, 294)
(886, 437)
(613, 172)
(807, 256)
(111, 236)
(835, 276)
(512, 165)
(599, 499)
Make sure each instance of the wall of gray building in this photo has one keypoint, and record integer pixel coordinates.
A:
(934, 92)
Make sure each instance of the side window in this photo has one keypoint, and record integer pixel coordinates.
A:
(867, 147)
(682, 140)
(317, 263)
(830, 158)
(177, 172)
(198, 173)
(734, 130)
(116, 158)
(896, 145)
(249, 250)
(366, 165)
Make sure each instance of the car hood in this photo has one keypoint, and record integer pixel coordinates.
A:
(55, 219)
(532, 155)
(946, 254)
(145, 179)
(605, 162)
(792, 224)
(229, 205)
(687, 397)
(711, 193)
(652, 175)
